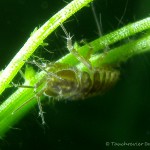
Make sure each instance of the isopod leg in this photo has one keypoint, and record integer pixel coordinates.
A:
(41, 112)
(72, 50)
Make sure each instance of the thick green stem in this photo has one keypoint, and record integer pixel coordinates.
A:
(37, 39)
(116, 56)
(106, 40)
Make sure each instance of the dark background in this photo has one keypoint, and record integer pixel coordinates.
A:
(122, 114)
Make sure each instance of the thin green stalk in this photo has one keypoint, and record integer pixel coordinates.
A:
(109, 39)
(24, 53)
(116, 56)
(37, 39)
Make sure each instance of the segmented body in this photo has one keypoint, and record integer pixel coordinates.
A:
(75, 84)
(65, 82)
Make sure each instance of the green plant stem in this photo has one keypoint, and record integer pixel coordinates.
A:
(109, 39)
(115, 56)
(36, 39)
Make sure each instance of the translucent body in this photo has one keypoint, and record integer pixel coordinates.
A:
(74, 84)
(64, 82)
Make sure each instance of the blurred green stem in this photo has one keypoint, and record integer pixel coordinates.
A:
(37, 39)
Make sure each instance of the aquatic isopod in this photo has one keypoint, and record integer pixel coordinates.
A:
(64, 82)
(74, 84)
